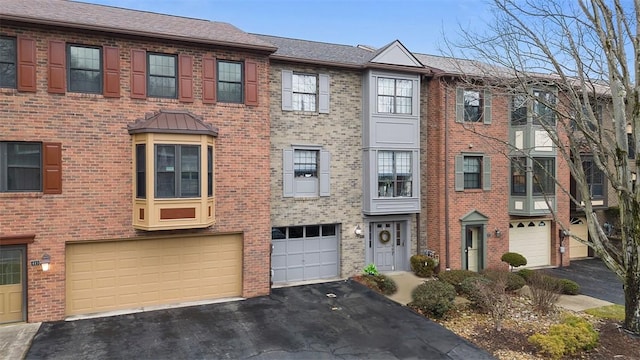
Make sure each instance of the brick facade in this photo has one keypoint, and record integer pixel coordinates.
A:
(339, 132)
(96, 199)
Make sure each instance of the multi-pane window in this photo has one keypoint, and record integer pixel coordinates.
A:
(472, 167)
(230, 82)
(177, 171)
(519, 176)
(472, 106)
(20, 166)
(305, 163)
(162, 79)
(594, 177)
(544, 170)
(395, 174)
(209, 170)
(584, 118)
(304, 92)
(7, 62)
(519, 110)
(395, 96)
(544, 108)
(85, 69)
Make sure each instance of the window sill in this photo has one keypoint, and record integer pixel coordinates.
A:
(82, 95)
(9, 91)
(306, 198)
(471, 191)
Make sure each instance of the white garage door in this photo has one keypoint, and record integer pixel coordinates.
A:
(580, 229)
(129, 274)
(303, 253)
(532, 239)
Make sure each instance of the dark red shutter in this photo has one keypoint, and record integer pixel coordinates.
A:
(57, 78)
(52, 168)
(26, 64)
(250, 83)
(208, 80)
(185, 73)
(138, 74)
(111, 80)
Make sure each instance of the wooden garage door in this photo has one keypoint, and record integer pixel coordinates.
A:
(118, 275)
(580, 229)
(532, 239)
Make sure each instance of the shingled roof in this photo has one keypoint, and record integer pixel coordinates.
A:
(172, 121)
(132, 22)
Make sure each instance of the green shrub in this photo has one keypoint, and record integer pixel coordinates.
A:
(469, 288)
(569, 287)
(573, 335)
(386, 284)
(514, 259)
(422, 265)
(434, 298)
(514, 282)
(455, 277)
(525, 274)
(370, 270)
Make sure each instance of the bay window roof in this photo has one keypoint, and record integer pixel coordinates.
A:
(172, 122)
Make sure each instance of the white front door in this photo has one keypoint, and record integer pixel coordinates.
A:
(472, 248)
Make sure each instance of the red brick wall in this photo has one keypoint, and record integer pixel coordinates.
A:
(96, 200)
(494, 203)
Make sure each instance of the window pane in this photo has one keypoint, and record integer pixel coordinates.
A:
(85, 73)
(162, 87)
(162, 65)
(24, 167)
(7, 62)
(278, 233)
(543, 176)
(518, 176)
(210, 171)
(519, 110)
(404, 88)
(543, 108)
(230, 92)
(190, 171)
(313, 231)
(304, 84)
(386, 87)
(165, 170)
(141, 177)
(472, 169)
(305, 163)
(472, 106)
(229, 72)
(403, 105)
(295, 232)
(328, 230)
(304, 102)
(385, 104)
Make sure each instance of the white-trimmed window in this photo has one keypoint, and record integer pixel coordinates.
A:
(395, 174)
(395, 96)
(306, 172)
(305, 92)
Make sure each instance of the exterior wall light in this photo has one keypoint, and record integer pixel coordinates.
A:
(498, 233)
(45, 262)
(358, 230)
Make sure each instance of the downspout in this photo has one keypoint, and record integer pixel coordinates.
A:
(446, 180)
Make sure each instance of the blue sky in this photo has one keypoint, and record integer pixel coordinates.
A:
(418, 24)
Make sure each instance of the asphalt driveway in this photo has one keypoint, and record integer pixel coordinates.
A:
(594, 278)
(304, 322)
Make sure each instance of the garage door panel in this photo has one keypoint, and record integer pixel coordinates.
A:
(128, 274)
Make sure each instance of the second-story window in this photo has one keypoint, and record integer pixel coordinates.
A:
(304, 92)
(177, 171)
(395, 96)
(8, 72)
(472, 167)
(230, 82)
(538, 108)
(85, 69)
(162, 80)
(395, 174)
(472, 106)
(594, 177)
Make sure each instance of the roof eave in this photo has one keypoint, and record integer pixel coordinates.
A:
(314, 62)
(23, 19)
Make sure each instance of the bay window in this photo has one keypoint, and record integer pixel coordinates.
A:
(395, 174)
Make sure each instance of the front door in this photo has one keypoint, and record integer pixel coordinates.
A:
(389, 244)
(472, 247)
(12, 268)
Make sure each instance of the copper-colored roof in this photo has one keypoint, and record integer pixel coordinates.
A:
(132, 22)
(172, 121)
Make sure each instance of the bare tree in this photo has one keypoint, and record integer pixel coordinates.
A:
(588, 51)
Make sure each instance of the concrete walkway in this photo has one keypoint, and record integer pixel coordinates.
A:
(407, 281)
(15, 340)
